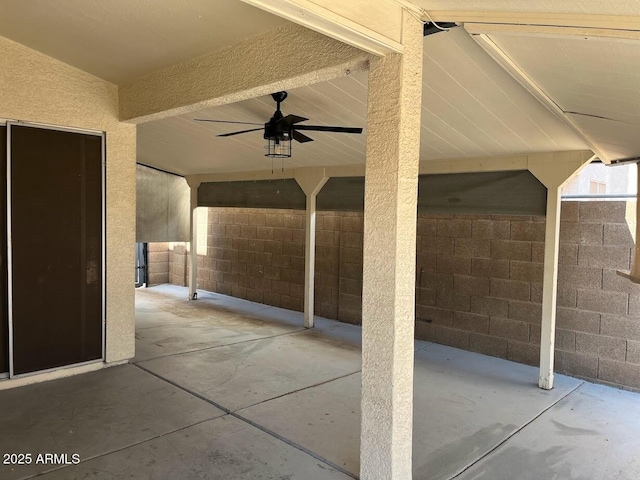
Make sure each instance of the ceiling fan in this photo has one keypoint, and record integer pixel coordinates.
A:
(280, 130)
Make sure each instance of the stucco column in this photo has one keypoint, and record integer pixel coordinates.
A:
(388, 292)
(311, 181)
(193, 240)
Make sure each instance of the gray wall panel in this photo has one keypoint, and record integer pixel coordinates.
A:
(162, 208)
(253, 194)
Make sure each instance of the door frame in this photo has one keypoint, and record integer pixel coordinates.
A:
(103, 186)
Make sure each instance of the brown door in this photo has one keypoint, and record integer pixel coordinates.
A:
(56, 237)
(4, 321)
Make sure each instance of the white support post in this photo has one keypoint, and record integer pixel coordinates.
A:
(193, 241)
(550, 288)
(553, 170)
(389, 259)
(311, 182)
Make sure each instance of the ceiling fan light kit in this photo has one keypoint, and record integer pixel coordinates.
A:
(279, 131)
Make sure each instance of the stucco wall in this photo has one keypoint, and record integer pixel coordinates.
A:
(37, 88)
(478, 279)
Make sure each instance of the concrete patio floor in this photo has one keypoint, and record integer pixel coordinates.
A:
(223, 388)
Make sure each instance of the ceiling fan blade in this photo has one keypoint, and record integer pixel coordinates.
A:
(238, 133)
(301, 137)
(324, 128)
(225, 121)
(290, 120)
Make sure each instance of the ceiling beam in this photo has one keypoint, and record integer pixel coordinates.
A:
(607, 22)
(550, 31)
(375, 30)
(523, 78)
(427, 167)
(288, 57)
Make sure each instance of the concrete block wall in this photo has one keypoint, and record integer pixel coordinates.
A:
(478, 279)
(157, 263)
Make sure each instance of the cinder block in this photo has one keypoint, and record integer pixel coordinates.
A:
(576, 364)
(330, 221)
(291, 303)
(487, 345)
(297, 263)
(274, 220)
(437, 281)
(489, 268)
(352, 287)
(602, 212)
(426, 261)
(621, 326)
(603, 301)
(453, 300)
(581, 233)
(453, 264)
(158, 257)
(525, 312)
(257, 219)
(565, 339)
(528, 231)
(604, 257)
(471, 285)
(510, 289)
(290, 248)
(613, 282)
(509, 329)
(240, 218)
(437, 316)
(526, 271)
(293, 220)
(351, 240)
(441, 245)
(282, 234)
(282, 261)
(491, 229)
(297, 235)
(510, 250)
(455, 228)
(350, 255)
(570, 211)
(452, 337)
(472, 247)
(272, 246)
(238, 291)
(426, 227)
(272, 298)
(537, 252)
(348, 270)
(350, 302)
(255, 295)
(424, 296)
(424, 331)
(240, 244)
(620, 373)
(353, 317)
(578, 320)
(633, 352)
(601, 346)
(232, 230)
(489, 306)
(584, 277)
(264, 233)
(248, 231)
(327, 237)
(352, 223)
(471, 322)
(522, 352)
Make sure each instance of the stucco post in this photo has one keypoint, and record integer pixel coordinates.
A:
(193, 240)
(388, 293)
(311, 181)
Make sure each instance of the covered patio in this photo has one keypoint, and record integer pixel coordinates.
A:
(284, 402)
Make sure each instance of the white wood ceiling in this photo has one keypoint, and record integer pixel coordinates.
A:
(596, 81)
(471, 107)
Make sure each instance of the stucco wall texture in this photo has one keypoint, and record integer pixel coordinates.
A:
(37, 88)
(478, 279)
